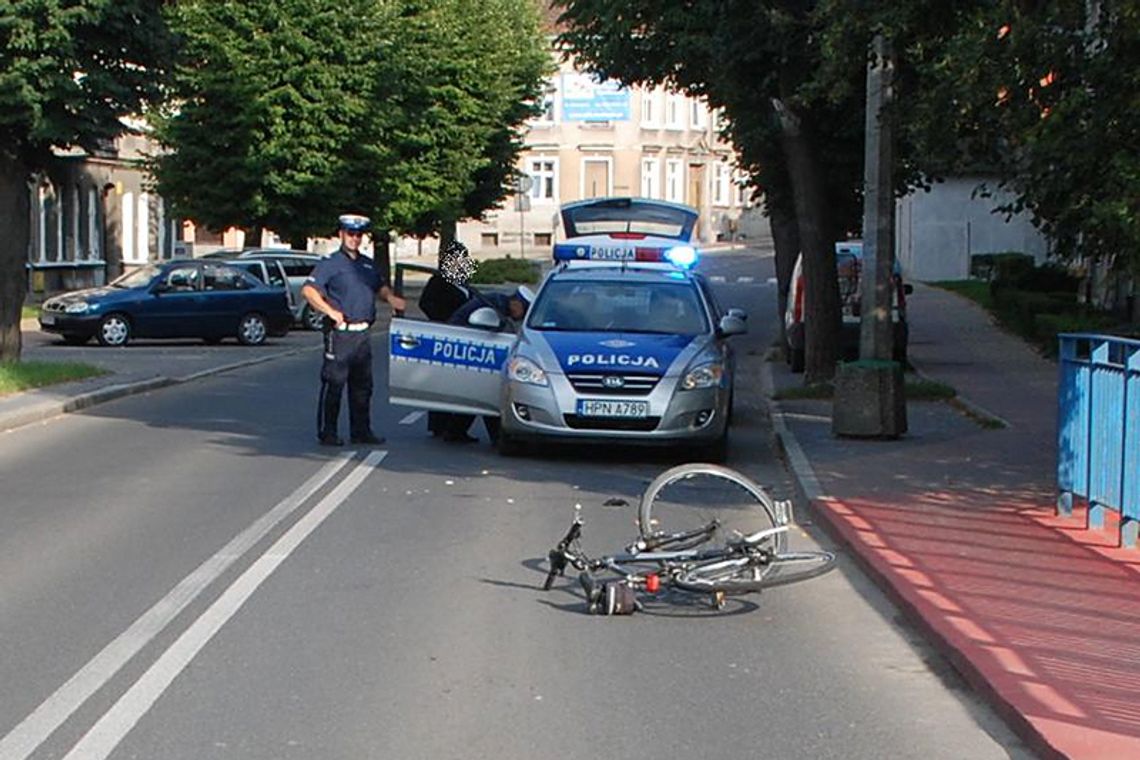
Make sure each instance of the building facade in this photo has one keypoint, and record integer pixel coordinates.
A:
(94, 217)
(597, 139)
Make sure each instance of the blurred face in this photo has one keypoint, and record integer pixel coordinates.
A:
(350, 239)
(518, 309)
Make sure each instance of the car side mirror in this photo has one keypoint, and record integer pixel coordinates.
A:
(159, 287)
(908, 289)
(485, 317)
(731, 324)
(740, 314)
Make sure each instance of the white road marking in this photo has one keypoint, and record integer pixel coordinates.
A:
(26, 737)
(716, 278)
(745, 279)
(117, 722)
(412, 418)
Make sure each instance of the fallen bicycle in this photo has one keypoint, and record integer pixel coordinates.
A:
(690, 559)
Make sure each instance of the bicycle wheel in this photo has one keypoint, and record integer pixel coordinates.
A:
(689, 497)
(791, 567)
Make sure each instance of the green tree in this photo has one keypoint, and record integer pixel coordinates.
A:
(69, 71)
(289, 113)
(756, 60)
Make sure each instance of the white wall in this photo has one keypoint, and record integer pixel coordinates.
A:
(938, 231)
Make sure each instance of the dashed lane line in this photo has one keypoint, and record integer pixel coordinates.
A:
(412, 418)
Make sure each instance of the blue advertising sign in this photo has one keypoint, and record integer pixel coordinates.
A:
(586, 99)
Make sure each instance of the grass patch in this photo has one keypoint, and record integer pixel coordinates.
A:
(495, 271)
(29, 312)
(977, 291)
(915, 390)
(23, 376)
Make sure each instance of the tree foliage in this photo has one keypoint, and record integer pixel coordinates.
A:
(69, 71)
(289, 113)
(756, 61)
(1044, 96)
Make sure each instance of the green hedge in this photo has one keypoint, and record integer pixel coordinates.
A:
(493, 271)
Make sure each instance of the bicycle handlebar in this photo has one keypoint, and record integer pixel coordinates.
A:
(559, 555)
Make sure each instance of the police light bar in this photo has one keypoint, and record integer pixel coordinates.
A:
(680, 256)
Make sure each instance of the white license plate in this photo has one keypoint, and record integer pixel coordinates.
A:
(611, 253)
(610, 408)
(47, 319)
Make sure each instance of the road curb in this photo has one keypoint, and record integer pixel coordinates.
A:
(45, 410)
(823, 509)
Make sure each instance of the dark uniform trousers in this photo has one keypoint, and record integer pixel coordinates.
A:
(348, 359)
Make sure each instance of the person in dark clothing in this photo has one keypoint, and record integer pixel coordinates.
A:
(344, 287)
(511, 308)
(444, 293)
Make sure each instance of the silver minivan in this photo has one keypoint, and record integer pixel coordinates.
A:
(297, 265)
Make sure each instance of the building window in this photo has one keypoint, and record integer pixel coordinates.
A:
(651, 108)
(698, 114)
(489, 240)
(75, 250)
(128, 227)
(674, 111)
(94, 236)
(544, 176)
(542, 239)
(721, 175)
(675, 180)
(650, 178)
(548, 104)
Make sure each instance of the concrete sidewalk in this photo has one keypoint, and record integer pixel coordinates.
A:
(957, 523)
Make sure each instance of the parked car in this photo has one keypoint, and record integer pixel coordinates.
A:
(298, 265)
(849, 268)
(175, 299)
(272, 273)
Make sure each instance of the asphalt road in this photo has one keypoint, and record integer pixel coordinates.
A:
(184, 575)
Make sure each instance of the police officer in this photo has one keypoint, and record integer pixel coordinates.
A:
(343, 287)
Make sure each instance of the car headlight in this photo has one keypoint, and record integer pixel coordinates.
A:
(78, 307)
(704, 376)
(523, 370)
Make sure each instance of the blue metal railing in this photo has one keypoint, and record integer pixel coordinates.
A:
(1098, 429)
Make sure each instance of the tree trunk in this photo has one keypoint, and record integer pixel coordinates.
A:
(821, 286)
(786, 241)
(15, 220)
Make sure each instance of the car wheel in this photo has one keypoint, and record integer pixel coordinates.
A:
(76, 340)
(252, 330)
(796, 359)
(507, 446)
(312, 319)
(717, 451)
(114, 330)
(901, 339)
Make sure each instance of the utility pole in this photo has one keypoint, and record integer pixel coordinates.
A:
(869, 394)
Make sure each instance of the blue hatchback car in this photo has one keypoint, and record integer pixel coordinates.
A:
(175, 299)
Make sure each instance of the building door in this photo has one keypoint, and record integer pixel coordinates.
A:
(595, 177)
(696, 197)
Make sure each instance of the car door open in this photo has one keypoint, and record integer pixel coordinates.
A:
(445, 367)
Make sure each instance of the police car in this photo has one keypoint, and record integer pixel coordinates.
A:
(624, 342)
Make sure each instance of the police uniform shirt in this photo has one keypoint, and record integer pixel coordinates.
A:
(349, 285)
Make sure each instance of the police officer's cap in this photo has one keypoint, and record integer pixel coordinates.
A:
(524, 294)
(354, 222)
